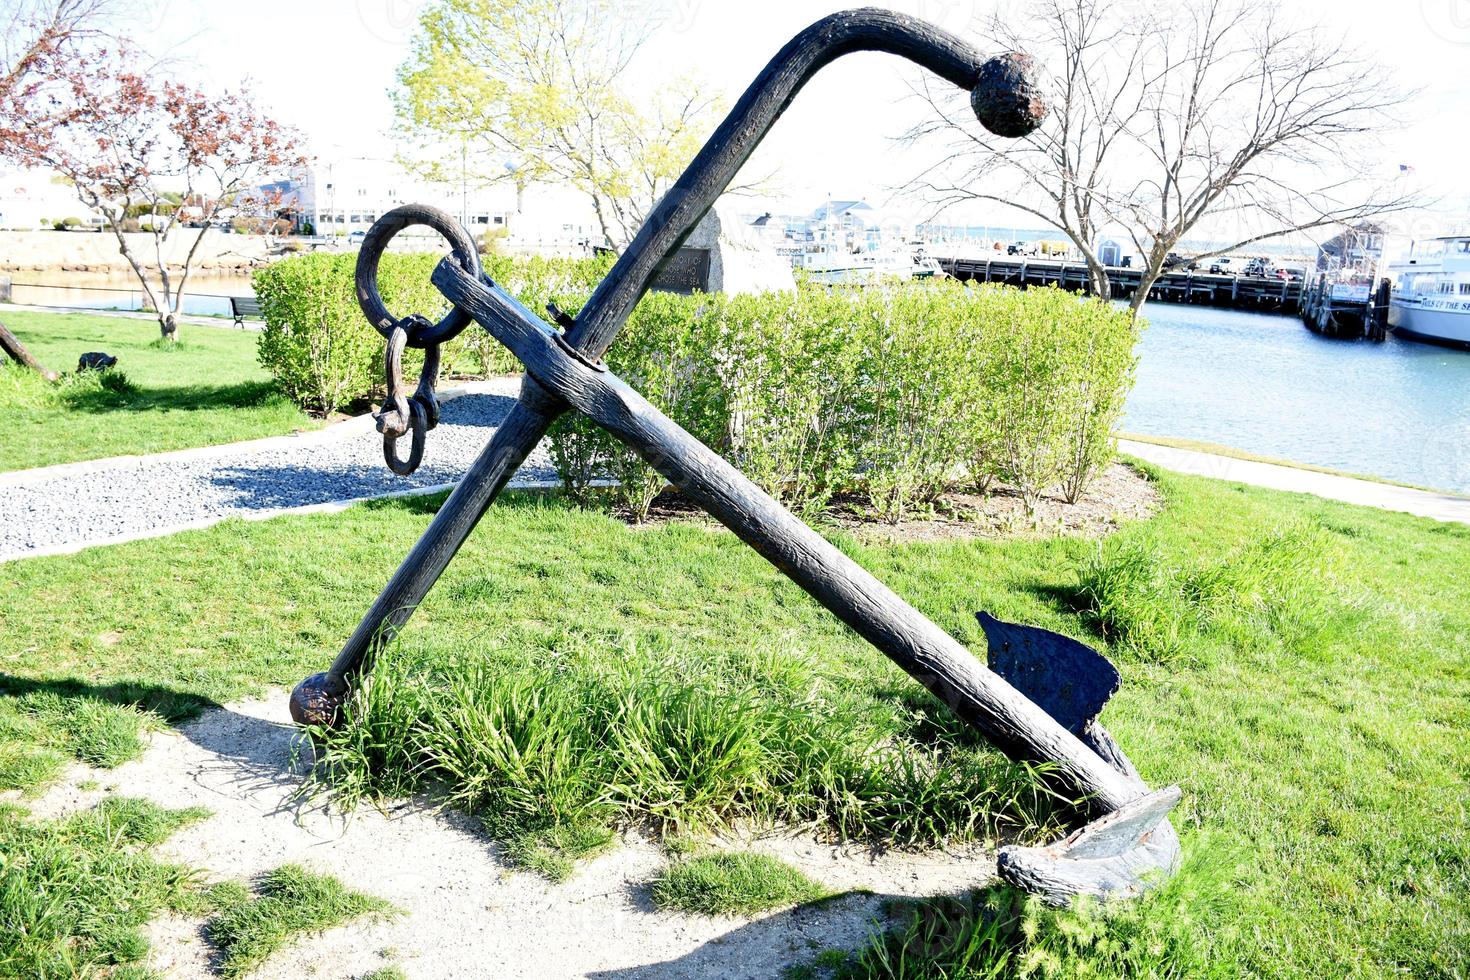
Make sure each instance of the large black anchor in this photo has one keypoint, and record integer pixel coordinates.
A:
(1040, 696)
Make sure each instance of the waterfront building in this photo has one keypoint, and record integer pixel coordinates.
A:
(342, 196)
(31, 200)
(1358, 248)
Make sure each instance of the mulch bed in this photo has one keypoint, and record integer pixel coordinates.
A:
(1120, 494)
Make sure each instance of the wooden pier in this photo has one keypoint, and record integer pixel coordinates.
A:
(1332, 312)
(1322, 308)
(1180, 286)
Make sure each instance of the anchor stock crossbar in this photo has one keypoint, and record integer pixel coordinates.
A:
(1009, 704)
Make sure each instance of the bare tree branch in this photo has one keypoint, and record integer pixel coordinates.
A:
(1213, 113)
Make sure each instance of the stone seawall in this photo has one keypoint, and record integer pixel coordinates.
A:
(91, 251)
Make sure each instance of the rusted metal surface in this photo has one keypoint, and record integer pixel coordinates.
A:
(417, 414)
(317, 701)
(1006, 98)
(564, 371)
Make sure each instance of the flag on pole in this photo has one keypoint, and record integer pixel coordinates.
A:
(1404, 168)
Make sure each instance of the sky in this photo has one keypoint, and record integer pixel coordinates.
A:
(326, 67)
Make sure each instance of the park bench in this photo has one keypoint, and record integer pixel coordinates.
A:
(242, 307)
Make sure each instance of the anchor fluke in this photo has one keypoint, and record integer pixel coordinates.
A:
(1120, 855)
(1122, 852)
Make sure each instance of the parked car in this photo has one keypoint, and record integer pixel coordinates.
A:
(1221, 266)
(1173, 262)
(1257, 267)
(356, 238)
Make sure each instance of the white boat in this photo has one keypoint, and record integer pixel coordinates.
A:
(1431, 292)
(835, 266)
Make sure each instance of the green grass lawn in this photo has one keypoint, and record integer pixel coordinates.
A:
(249, 929)
(207, 390)
(1300, 667)
(733, 883)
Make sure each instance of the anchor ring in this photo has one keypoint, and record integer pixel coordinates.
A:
(376, 242)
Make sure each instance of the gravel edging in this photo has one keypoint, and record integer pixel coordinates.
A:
(66, 508)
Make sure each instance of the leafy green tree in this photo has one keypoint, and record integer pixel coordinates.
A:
(533, 91)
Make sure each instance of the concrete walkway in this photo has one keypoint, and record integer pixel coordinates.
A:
(186, 318)
(1366, 493)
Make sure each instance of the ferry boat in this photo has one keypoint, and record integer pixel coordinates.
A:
(1431, 292)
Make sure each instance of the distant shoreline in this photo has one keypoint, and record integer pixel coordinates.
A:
(97, 252)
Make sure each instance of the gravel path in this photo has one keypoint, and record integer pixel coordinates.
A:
(63, 508)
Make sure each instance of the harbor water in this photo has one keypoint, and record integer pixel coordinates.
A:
(208, 293)
(1264, 384)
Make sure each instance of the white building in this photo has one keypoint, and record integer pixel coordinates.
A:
(32, 199)
(342, 196)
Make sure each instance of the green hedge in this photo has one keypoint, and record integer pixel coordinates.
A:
(896, 393)
(324, 355)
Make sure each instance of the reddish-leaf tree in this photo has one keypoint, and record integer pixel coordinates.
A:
(38, 35)
(132, 146)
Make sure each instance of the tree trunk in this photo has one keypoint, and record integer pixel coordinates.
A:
(1145, 283)
(1102, 287)
(17, 351)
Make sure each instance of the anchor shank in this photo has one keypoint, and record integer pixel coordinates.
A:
(1011, 721)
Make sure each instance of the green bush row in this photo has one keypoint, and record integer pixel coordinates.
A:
(896, 393)
(324, 355)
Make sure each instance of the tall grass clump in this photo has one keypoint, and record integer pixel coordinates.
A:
(736, 883)
(1178, 930)
(1280, 588)
(293, 900)
(22, 388)
(76, 893)
(94, 731)
(547, 750)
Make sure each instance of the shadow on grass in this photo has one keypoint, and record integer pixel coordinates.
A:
(174, 707)
(1070, 599)
(251, 753)
(179, 398)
